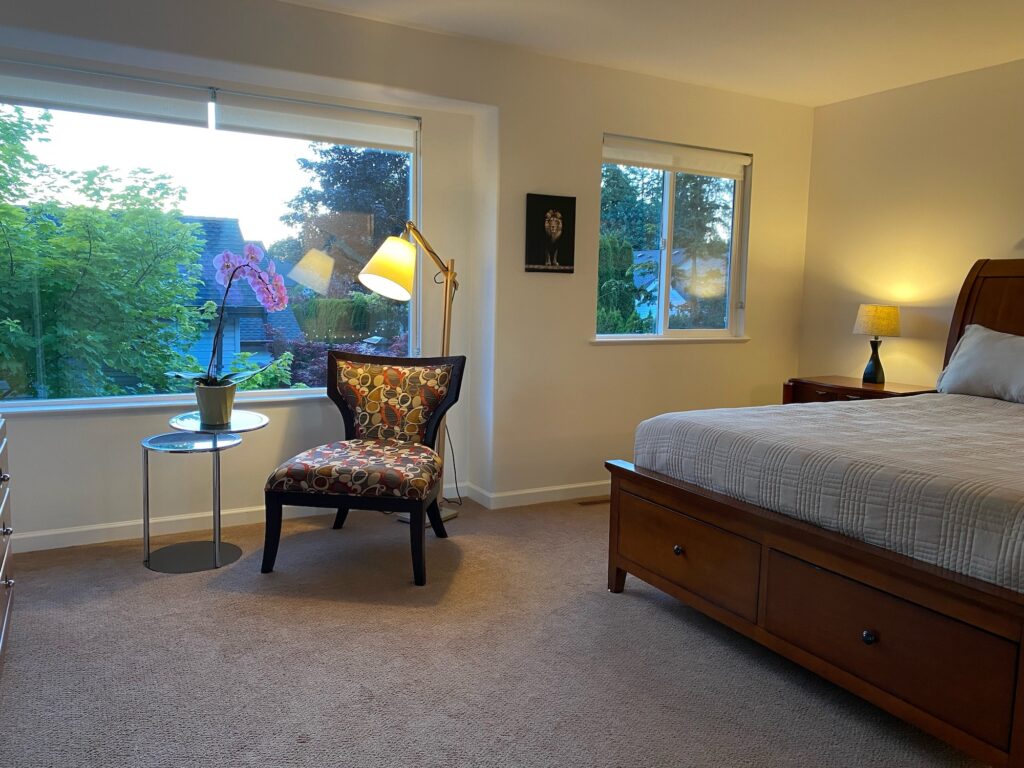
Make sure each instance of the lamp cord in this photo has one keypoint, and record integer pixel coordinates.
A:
(439, 280)
(455, 473)
(455, 470)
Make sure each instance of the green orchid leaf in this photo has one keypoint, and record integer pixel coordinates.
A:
(240, 376)
(190, 375)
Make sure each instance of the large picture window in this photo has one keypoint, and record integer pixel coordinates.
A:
(116, 205)
(671, 253)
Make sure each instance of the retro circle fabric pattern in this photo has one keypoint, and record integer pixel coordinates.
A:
(361, 468)
(390, 401)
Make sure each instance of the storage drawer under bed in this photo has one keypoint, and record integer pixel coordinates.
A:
(956, 672)
(719, 566)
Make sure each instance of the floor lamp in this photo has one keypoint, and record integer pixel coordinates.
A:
(391, 272)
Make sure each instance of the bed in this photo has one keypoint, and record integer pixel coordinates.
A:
(869, 551)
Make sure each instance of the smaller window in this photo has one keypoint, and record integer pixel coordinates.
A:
(671, 254)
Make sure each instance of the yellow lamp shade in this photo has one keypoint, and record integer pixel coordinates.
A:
(314, 271)
(877, 320)
(392, 269)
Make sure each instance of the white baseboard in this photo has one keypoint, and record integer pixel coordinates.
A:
(542, 495)
(97, 533)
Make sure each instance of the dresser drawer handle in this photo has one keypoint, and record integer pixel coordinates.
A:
(4, 477)
(678, 550)
(852, 397)
(6, 530)
(869, 637)
(8, 582)
(821, 392)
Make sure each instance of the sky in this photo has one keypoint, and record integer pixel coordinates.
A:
(226, 174)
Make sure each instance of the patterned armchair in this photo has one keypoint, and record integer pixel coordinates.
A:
(392, 408)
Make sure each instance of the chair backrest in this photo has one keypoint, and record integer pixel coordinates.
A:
(403, 398)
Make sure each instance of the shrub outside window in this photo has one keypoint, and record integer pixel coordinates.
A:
(671, 252)
(112, 215)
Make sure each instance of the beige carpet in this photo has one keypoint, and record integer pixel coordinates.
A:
(514, 654)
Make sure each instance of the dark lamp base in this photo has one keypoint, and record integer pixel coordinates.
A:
(873, 373)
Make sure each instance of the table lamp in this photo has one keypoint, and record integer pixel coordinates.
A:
(876, 320)
(391, 272)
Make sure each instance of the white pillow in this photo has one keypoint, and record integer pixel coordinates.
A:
(986, 363)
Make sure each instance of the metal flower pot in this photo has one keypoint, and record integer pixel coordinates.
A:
(215, 403)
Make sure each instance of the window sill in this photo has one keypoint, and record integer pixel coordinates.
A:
(612, 340)
(149, 402)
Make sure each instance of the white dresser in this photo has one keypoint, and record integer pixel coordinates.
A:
(6, 529)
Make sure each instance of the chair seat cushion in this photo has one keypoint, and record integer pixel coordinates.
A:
(361, 468)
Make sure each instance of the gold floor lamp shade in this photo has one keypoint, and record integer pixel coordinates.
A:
(391, 271)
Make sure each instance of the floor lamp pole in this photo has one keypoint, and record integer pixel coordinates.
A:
(451, 284)
(447, 513)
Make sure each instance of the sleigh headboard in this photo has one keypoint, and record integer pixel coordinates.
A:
(993, 296)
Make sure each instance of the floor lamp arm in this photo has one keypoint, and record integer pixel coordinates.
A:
(451, 283)
(421, 241)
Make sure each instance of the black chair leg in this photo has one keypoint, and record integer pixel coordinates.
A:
(417, 535)
(339, 520)
(434, 513)
(273, 534)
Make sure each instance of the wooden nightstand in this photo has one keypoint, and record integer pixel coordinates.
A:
(826, 389)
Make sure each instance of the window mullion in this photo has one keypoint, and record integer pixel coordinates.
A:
(737, 264)
(665, 289)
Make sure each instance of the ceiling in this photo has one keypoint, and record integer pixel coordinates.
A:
(810, 52)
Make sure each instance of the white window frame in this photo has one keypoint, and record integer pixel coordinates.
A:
(52, 81)
(737, 254)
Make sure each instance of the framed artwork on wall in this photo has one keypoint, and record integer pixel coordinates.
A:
(550, 233)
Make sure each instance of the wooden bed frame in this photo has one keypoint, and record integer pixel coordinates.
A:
(939, 650)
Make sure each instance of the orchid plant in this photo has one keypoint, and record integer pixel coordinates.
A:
(270, 291)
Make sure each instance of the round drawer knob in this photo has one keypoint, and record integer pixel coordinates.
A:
(8, 582)
(678, 550)
(6, 531)
(869, 637)
(4, 477)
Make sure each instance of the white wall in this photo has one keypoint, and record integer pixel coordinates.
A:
(908, 189)
(76, 478)
(544, 406)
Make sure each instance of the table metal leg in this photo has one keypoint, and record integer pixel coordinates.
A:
(145, 506)
(216, 509)
(187, 556)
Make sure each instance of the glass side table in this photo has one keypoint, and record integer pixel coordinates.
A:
(195, 437)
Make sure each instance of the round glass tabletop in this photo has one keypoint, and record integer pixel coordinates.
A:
(190, 442)
(241, 421)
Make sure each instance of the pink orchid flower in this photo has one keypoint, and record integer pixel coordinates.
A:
(267, 285)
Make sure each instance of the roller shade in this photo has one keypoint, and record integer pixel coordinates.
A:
(35, 85)
(320, 122)
(60, 88)
(675, 157)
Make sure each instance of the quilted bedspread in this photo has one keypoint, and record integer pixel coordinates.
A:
(939, 478)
